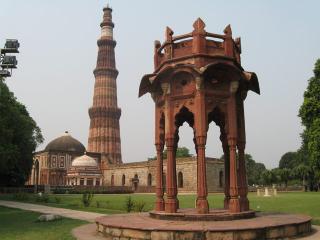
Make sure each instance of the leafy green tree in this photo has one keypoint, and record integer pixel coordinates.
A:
(289, 160)
(268, 177)
(181, 152)
(254, 169)
(19, 137)
(285, 175)
(301, 172)
(309, 113)
(276, 175)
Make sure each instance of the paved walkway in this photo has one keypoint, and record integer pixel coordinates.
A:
(81, 215)
(87, 232)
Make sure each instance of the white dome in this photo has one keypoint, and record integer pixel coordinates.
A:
(84, 161)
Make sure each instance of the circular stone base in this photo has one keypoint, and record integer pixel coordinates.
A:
(192, 215)
(263, 226)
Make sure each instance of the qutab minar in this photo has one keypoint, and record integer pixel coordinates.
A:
(104, 132)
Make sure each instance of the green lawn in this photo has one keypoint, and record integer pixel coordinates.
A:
(292, 202)
(21, 225)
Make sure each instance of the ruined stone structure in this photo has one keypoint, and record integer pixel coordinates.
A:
(104, 132)
(198, 79)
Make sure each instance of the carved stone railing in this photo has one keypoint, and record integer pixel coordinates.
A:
(198, 42)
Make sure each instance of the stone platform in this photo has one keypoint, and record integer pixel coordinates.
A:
(192, 215)
(263, 226)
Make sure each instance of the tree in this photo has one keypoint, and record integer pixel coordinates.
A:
(268, 177)
(288, 160)
(254, 169)
(301, 172)
(285, 175)
(181, 152)
(19, 137)
(309, 113)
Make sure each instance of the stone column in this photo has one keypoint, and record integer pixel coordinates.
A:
(171, 203)
(234, 204)
(159, 178)
(243, 185)
(94, 181)
(202, 192)
(201, 126)
(85, 181)
(226, 174)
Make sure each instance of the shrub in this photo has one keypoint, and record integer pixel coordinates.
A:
(140, 206)
(87, 198)
(129, 204)
(59, 191)
(42, 198)
(21, 196)
(57, 199)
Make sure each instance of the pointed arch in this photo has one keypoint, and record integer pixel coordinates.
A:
(184, 115)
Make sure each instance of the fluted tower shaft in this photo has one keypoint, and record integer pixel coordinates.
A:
(104, 132)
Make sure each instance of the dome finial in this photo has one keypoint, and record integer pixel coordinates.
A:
(66, 133)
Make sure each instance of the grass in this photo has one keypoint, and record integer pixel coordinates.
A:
(291, 202)
(22, 225)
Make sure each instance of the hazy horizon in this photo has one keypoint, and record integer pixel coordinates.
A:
(58, 53)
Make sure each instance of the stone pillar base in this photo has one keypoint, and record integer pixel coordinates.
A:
(244, 204)
(234, 205)
(171, 205)
(202, 206)
(226, 202)
(159, 204)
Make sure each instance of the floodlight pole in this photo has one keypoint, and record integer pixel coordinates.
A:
(8, 61)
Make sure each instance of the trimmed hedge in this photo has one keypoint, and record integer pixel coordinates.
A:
(93, 189)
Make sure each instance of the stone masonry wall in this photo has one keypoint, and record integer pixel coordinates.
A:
(187, 167)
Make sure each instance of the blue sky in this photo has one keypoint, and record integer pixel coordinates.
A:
(280, 42)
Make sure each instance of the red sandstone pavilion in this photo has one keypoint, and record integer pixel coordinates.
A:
(198, 79)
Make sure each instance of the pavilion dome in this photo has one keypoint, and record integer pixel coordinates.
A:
(65, 143)
(84, 161)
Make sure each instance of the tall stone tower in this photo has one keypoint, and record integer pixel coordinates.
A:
(104, 132)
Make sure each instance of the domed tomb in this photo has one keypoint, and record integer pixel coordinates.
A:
(84, 171)
(65, 143)
(50, 165)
